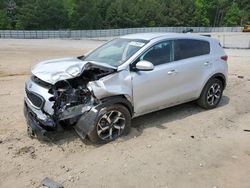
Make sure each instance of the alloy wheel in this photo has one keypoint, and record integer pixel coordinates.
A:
(214, 94)
(111, 125)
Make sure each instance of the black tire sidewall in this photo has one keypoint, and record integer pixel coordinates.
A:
(93, 136)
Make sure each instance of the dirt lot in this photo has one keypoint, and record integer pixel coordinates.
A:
(183, 146)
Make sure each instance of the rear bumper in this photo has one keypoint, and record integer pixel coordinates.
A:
(37, 128)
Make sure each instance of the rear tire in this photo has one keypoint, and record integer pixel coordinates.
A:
(112, 122)
(211, 94)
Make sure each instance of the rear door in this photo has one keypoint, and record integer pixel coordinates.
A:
(193, 62)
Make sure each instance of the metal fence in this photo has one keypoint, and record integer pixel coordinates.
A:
(233, 40)
(77, 34)
(229, 37)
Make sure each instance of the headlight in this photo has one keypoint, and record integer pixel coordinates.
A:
(73, 71)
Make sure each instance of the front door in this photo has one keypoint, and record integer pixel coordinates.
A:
(151, 89)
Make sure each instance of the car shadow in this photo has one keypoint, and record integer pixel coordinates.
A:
(161, 118)
(158, 119)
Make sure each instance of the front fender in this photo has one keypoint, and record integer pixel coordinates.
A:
(119, 83)
(87, 121)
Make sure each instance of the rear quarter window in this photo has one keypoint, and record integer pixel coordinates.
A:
(187, 48)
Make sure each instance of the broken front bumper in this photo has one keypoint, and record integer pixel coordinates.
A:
(43, 130)
(36, 127)
(41, 121)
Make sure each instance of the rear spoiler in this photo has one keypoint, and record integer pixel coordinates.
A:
(206, 35)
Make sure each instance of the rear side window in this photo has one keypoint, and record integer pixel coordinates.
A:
(187, 48)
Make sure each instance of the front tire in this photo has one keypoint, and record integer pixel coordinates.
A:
(211, 94)
(112, 122)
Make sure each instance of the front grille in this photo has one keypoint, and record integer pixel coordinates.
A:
(35, 99)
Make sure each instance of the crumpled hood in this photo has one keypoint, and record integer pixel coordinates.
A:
(52, 71)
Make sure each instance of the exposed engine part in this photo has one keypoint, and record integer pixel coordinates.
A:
(72, 98)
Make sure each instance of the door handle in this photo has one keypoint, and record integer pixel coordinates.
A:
(207, 63)
(172, 72)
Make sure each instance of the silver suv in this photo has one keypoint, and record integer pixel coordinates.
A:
(99, 93)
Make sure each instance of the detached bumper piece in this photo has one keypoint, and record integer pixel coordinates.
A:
(36, 128)
(51, 183)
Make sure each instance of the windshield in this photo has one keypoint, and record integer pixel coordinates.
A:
(116, 51)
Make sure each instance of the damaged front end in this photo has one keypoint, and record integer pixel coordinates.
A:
(48, 106)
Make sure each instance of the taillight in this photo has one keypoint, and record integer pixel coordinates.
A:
(225, 57)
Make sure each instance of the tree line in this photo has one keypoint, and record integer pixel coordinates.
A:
(103, 14)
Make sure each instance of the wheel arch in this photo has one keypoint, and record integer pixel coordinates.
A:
(87, 121)
(203, 98)
(119, 99)
(220, 77)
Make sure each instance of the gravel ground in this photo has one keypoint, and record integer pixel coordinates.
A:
(183, 146)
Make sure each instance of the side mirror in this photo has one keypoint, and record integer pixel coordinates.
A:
(144, 66)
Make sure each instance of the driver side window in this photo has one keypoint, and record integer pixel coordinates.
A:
(159, 54)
